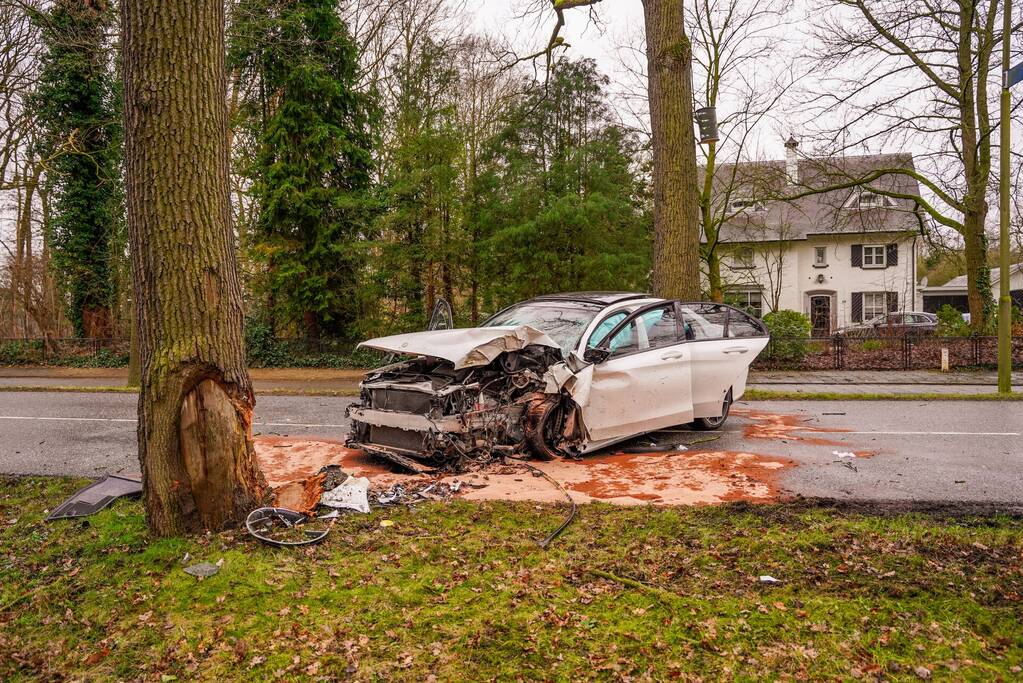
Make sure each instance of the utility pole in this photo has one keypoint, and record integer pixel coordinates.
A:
(1004, 298)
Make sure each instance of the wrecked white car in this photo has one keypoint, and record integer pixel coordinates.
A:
(555, 376)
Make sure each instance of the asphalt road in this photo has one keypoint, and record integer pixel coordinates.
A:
(940, 451)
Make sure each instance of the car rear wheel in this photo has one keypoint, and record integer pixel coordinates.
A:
(704, 424)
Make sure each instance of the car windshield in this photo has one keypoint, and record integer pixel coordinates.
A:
(562, 321)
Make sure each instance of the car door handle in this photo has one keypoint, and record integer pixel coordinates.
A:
(673, 355)
(737, 349)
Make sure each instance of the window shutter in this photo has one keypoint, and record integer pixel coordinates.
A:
(891, 257)
(857, 307)
(857, 256)
(893, 301)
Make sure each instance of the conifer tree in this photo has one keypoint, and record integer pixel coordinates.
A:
(311, 170)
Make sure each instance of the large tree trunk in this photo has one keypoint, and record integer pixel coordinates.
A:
(195, 400)
(676, 268)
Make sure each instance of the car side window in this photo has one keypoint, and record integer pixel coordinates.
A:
(704, 321)
(661, 326)
(626, 341)
(605, 326)
(742, 325)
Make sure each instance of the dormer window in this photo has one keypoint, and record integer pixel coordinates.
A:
(746, 205)
(865, 199)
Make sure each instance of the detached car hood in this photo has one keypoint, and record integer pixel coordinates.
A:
(465, 348)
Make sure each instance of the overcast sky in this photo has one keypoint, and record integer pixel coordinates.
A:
(620, 21)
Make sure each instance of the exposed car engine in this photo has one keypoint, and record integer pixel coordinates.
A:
(425, 411)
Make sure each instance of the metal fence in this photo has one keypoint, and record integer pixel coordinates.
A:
(910, 352)
(782, 353)
(268, 352)
(20, 351)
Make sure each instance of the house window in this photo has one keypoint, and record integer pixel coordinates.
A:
(749, 300)
(820, 256)
(866, 199)
(873, 256)
(742, 257)
(744, 204)
(874, 304)
(869, 200)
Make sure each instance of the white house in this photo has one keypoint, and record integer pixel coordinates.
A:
(953, 292)
(840, 256)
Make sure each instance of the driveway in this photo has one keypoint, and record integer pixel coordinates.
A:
(908, 450)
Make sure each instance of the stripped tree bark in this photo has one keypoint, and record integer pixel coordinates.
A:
(195, 400)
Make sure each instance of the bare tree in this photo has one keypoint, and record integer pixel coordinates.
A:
(924, 76)
(676, 243)
(736, 63)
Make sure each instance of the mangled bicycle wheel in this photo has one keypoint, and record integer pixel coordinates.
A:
(286, 528)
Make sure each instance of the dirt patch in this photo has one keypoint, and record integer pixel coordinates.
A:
(785, 428)
(671, 478)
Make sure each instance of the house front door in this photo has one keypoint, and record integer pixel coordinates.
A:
(820, 314)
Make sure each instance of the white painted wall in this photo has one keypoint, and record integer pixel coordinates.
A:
(799, 276)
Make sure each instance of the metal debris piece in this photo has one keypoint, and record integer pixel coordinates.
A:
(204, 570)
(400, 460)
(571, 515)
(285, 528)
(96, 496)
(768, 579)
(351, 494)
(393, 496)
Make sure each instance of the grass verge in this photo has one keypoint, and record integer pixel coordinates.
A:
(778, 395)
(457, 590)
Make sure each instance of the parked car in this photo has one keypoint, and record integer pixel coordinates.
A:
(558, 375)
(895, 325)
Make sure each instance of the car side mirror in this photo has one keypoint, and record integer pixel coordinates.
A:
(596, 355)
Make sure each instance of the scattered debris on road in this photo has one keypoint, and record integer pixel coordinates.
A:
(350, 494)
(204, 570)
(96, 496)
(285, 528)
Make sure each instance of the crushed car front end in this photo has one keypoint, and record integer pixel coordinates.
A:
(430, 412)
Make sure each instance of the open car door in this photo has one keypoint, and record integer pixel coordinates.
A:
(641, 376)
(723, 342)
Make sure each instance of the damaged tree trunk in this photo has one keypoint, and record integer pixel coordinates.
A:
(195, 400)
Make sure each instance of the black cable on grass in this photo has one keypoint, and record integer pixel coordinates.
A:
(571, 515)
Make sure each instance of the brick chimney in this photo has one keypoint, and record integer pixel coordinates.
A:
(791, 161)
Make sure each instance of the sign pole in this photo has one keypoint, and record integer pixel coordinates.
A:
(1004, 298)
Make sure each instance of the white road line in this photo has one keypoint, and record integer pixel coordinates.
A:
(295, 424)
(936, 434)
(344, 426)
(130, 419)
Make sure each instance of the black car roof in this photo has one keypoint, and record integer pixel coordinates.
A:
(603, 298)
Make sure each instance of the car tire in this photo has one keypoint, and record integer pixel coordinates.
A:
(707, 424)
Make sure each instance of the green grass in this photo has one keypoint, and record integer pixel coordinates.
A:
(461, 591)
(784, 395)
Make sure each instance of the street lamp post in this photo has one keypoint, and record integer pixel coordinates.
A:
(1009, 76)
